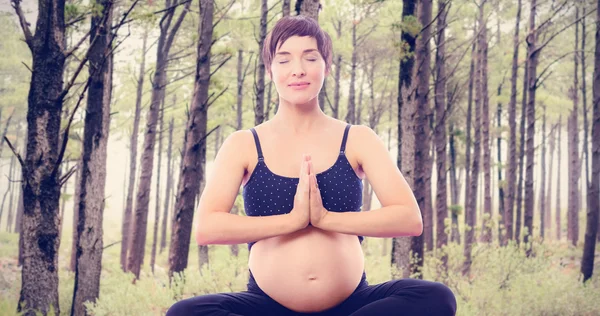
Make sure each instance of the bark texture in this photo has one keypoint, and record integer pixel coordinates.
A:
(93, 167)
(41, 185)
(192, 171)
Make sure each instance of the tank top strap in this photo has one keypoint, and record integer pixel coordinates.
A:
(257, 142)
(343, 147)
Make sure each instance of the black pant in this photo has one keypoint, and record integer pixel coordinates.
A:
(397, 297)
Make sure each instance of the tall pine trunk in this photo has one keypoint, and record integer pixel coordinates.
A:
(351, 114)
(192, 172)
(471, 211)
(421, 128)
(532, 56)
(542, 188)
(133, 141)
(485, 139)
(589, 246)
(558, 181)
(40, 169)
(468, 140)
(454, 187)
(158, 174)
(93, 163)
(574, 171)
(519, 199)
(165, 222)
(440, 129)
(406, 110)
(548, 216)
(512, 144)
(259, 108)
(140, 216)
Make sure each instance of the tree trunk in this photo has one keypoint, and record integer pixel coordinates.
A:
(400, 258)
(336, 92)
(308, 8)
(240, 87)
(41, 185)
(421, 128)
(587, 261)
(573, 210)
(585, 111)
(455, 232)
(140, 217)
(76, 199)
(158, 172)
(163, 238)
(7, 192)
(259, 109)
(6, 126)
(558, 181)
(285, 8)
(133, 141)
(500, 166)
(93, 168)
(441, 201)
(471, 211)
(542, 188)
(351, 114)
(548, 216)
(486, 235)
(192, 173)
(519, 200)
(532, 56)
(468, 127)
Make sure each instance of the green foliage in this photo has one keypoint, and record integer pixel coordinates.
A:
(456, 209)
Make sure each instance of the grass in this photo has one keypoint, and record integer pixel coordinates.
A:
(503, 280)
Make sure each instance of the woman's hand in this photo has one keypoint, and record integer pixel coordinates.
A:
(301, 211)
(317, 210)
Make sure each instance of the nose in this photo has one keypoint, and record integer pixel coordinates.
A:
(298, 70)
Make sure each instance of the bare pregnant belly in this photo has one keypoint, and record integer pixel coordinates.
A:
(310, 270)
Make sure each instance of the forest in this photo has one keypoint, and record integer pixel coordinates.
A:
(112, 113)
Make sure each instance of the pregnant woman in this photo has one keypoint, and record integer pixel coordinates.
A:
(302, 174)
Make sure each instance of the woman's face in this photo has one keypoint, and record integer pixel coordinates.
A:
(298, 70)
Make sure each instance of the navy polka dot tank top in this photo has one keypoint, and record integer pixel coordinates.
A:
(267, 193)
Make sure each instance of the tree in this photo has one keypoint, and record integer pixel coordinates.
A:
(440, 127)
(192, 171)
(421, 127)
(471, 211)
(133, 144)
(93, 168)
(41, 179)
(532, 84)
(486, 235)
(406, 109)
(140, 216)
(259, 110)
(587, 262)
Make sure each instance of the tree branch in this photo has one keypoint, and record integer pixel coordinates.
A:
(74, 48)
(537, 49)
(16, 4)
(215, 99)
(220, 65)
(15, 152)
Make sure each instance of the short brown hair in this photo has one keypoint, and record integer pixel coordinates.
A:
(298, 25)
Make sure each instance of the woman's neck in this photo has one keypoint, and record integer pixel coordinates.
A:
(298, 118)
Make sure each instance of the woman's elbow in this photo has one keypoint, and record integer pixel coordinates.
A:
(418, 224)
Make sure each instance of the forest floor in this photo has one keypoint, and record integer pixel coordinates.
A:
(503, 281)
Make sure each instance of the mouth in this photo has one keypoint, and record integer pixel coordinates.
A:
(299, 85)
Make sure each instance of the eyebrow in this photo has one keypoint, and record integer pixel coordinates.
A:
(304, 52)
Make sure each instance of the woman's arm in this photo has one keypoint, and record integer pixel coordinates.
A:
(400, 214)
(215, 223)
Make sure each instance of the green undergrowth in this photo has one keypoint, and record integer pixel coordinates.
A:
(501, 281)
